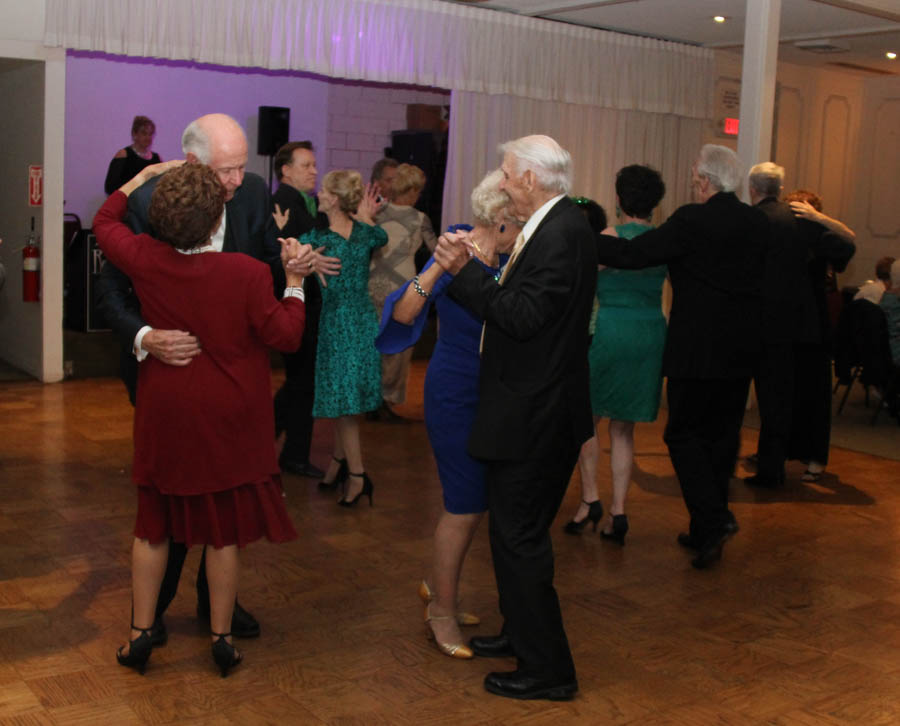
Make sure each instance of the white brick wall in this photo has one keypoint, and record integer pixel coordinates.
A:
(361, 118)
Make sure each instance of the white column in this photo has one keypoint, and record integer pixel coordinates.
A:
(51, 245)
(758, 80)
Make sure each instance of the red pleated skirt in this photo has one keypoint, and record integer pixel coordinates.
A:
(235, 516)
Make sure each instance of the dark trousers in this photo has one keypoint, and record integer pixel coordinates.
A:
(177, 553)
(774, 379)
(294, 400)
(703, 435)
(811, 423)
(523, 499)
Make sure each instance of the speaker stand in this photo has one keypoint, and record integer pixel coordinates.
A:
(271, 166)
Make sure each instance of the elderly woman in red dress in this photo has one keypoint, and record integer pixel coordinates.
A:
(204, 458)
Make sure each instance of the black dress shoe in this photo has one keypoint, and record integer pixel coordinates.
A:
(243, 624)
(690, 542)
(710, 551)
(492, 646)
(300, 468)
(158, 633)
(516, 684)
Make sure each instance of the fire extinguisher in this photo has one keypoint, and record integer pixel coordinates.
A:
(31, 269)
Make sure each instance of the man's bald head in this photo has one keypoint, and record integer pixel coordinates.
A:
(218, 141)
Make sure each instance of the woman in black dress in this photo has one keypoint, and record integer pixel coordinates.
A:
(129, 161)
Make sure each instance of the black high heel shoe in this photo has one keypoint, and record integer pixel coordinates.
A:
(339, 478)
(366, 490)
(595, 513)
(619, 529)
(139, 651)
(224, 653)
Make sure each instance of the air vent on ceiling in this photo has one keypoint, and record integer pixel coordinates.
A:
(821, 45)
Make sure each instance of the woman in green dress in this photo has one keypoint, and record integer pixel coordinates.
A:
(348, 367)
(625, 355)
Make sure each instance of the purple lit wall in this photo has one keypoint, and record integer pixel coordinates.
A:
(349, 123)
(104, 93)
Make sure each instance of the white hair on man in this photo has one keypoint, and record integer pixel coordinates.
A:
(487, 199)
(550, 163)
(767, 179)
(195, 141)
(721, 166)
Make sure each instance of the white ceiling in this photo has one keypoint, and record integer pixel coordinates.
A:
(869, 28)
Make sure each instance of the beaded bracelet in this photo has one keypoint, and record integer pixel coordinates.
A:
(418, 287)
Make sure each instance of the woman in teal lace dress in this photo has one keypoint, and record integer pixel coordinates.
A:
(625, 355)
(348, 367)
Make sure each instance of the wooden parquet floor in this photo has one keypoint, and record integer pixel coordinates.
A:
(799, 625)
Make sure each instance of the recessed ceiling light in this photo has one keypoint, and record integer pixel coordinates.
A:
(719, 18)
(890, 54)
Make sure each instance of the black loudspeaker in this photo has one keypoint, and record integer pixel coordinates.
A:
(418, 148)
(274, 128)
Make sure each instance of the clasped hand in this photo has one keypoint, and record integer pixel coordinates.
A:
(301, 260)
(453, 251)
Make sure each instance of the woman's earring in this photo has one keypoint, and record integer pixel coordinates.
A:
(502, 228)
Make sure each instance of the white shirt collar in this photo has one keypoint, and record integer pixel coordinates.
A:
(198, 250)
(535, 219)
(218, 238)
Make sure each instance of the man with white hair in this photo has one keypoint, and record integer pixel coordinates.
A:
(247, 226)
(716, 251)
(790, 317)
(534, 409)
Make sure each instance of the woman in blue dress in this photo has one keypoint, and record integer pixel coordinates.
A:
(625, 355)
(348, 367)
(451, 395)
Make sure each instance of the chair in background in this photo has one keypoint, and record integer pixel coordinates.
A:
(862, 351)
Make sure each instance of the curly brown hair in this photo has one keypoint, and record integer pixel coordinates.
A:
(186, 204)
(883, 269)
(139, 123)
(804, 195)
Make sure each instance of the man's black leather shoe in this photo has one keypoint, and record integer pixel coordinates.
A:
(491, 646)
(687, 541)
(243, 624)
(711, 551)
(158, 633)
(300, 468)
(516, 684)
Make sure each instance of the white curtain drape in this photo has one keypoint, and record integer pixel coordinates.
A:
(601, 141)
(421, 42)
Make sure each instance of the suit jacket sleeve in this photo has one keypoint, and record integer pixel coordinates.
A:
(255, 231)
(653, 247)
(542, 285)
(837, 250)
(115, 295)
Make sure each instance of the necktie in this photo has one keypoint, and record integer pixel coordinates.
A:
(517, 248)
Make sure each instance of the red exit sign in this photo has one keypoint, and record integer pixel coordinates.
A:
(731, 126)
